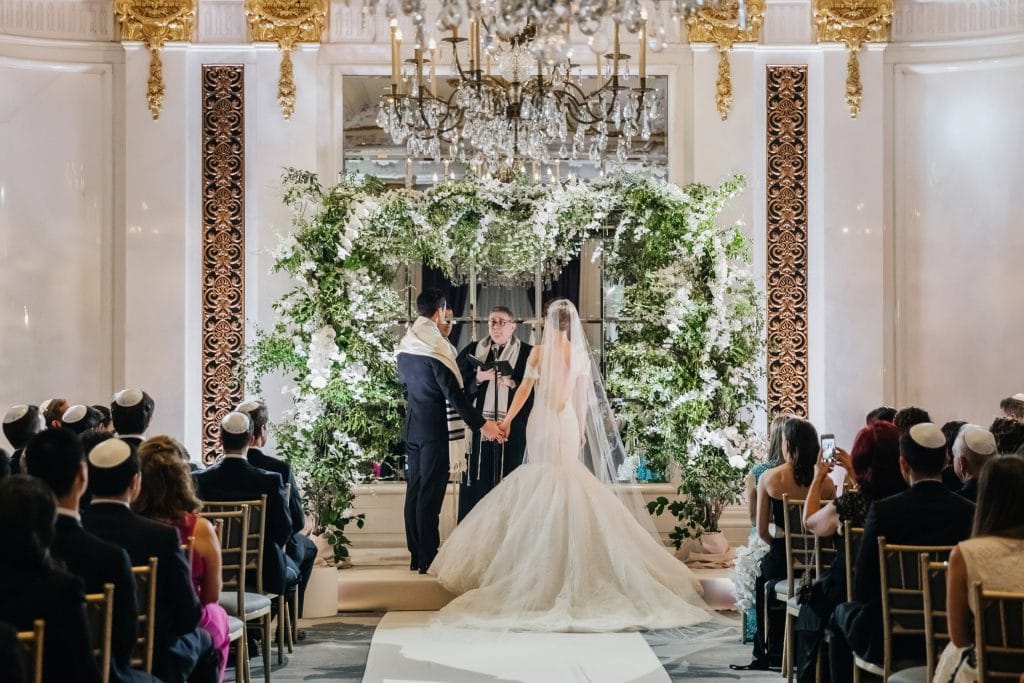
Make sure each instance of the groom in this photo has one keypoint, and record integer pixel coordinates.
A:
(430, 379)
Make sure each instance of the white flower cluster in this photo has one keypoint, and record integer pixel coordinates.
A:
(322, 354)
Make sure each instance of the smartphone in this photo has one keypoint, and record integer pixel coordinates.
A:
(828, 447)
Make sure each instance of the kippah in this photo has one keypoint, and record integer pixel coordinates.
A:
(235, 423)
(980, 441)
(248, 407)
(927, 435)
(75, 413)
(1018, 397)
(44, 405)
(109, 453)
(15, 413)
(127, 398)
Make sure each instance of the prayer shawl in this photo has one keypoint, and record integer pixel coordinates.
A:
(424, 339)
(509, 353)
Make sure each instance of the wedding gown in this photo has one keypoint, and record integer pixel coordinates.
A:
(552, 548)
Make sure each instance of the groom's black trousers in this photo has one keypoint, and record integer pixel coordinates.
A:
(426, 480)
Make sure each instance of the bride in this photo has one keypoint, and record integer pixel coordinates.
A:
(554, 547)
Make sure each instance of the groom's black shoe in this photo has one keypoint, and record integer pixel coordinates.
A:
(423, 570)
(756, 665)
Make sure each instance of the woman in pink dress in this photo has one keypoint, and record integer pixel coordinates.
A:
(169, 496)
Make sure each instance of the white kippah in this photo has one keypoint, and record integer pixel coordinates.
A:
(248, 406)
(1019, 397)
(44, 405)
(75, 414)
(126, 398)
(927, 435)
(109, 453)
(980, 441)
(16, 413)
(235, 423)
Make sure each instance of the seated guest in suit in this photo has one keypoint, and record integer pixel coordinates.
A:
(1009, 435)
(300, 548)
(169, 443)
(5, 463)
(32, 588)
(971, 450)
(1013, 407)
(949, 476)
(874, 465)
(880, 413)
(168, 496)
(56, 456)
(21, 423)
(182, 650)
(80, 418)
(991, 556)
(12, 659)
(793, 478)
(106, 424)
(130, 413)
(906, 418)
(925, 514)
(53, 410)
(234, 479)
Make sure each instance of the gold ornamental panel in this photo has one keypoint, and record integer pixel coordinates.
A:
(786, 198)
(853, 23)
(223, 246)
(286, 22)
(155, 22)
(721, 26)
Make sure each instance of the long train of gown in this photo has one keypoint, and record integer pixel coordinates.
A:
(553, 549)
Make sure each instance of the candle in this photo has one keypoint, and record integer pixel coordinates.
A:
(394, 53)
(446, 162)
(615, 57)
(558, 170)
(433, 66)
(643, 45)
(408, 172)
(472, 44)
(398, 54)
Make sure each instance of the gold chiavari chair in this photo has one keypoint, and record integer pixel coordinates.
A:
(998, 634)
(255, 605)
(936, 625)
(851, 545)
(32, 641)
(804, 553)
(100, 610)
(285, 635)
(232, 527)
(903, 613)
(145, 586)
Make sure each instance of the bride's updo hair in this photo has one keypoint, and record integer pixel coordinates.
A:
(561, 305)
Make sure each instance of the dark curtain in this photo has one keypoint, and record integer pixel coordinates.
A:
(566, 285)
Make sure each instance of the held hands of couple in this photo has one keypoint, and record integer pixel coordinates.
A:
(493, 431)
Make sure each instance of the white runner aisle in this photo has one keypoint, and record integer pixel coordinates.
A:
(407, 648)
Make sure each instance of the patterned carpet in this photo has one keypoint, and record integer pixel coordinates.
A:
(336, 649)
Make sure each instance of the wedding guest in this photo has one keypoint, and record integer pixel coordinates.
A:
(881, 413)
(57, 458)
(447, 324)
(300, 548)
(792, 478)
(169, 443)
(53, 410)
(21, 423)
(12, 661)
(906, 418)
(492, 461)
(925, 514)
(181, 648)
(80, 418)
(1009, 435)
(973, 447)
(106, 424)
(131, 412)
(873, 463)
(234, 479)
(1013, 407)
(31, 587)
(949, 476)
(5, 463)
(168, 496)
(992, 555)
(774, 459)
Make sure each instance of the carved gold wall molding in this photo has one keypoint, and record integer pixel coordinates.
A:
(853, 23)
(786, 198)
(223, 246)
(286, 22)
(722, 27)
(155, 22)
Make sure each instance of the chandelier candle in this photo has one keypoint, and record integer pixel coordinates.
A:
(394, 55)
(432, 46)
(643, 48)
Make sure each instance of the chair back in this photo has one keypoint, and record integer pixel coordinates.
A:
(145, 587)
(32, 641)
(255, 533)
(232, 527)
(903, 613)
(99, 608)
(999, 634)
(804, 550)
(851, 544)
(936, 620)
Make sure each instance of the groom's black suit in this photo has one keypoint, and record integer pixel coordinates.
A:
(426, 384)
